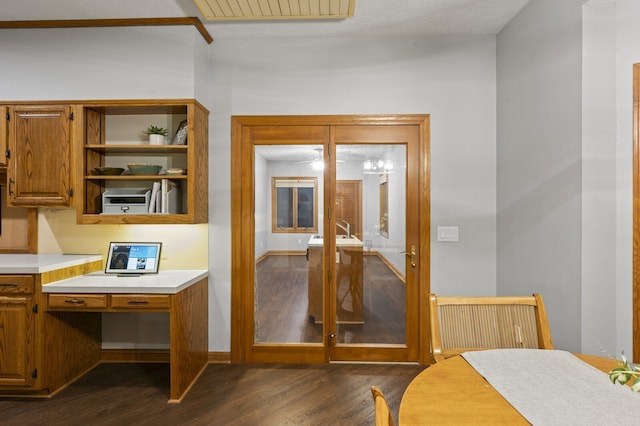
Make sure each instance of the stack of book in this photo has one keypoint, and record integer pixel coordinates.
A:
(163, 197)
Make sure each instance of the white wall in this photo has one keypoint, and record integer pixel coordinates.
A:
(539, 161)
(611, 45)
(627, 50)
(98, 63)
(599, 238)
(565, 166)
(452, 78)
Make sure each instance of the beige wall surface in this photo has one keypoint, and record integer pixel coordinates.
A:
(183, 246)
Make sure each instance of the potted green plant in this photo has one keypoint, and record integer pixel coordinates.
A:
(156, 134)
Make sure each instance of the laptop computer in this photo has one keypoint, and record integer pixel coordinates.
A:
(132, 259)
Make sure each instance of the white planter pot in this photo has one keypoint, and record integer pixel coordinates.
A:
(156, 139)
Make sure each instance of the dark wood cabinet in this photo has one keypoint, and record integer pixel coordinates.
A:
(17, 331)
(41, 352)
(349, 284)
(4, 136)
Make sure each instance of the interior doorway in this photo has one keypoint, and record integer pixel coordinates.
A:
(314, 277)
(349, 207)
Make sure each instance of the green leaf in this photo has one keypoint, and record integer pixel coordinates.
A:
(619, 375)
(155, 130)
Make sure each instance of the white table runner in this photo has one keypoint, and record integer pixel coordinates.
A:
(550, 387)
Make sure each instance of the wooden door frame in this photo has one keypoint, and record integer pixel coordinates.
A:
(636, 213)
(243, 128)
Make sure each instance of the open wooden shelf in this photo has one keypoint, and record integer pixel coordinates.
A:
(101, 128)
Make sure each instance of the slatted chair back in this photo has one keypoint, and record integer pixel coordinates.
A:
(461, 324)
(383, 414)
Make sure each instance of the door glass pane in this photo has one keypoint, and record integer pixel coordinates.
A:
(288, 292)
(370, 260)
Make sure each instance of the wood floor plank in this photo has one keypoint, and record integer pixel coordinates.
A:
(282, 301)
(226, 394)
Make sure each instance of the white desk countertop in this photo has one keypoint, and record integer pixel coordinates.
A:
(39, 263)
(164, 282)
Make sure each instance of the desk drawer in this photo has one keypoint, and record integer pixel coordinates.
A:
(77, 301)
(140, 301)
(14, 284)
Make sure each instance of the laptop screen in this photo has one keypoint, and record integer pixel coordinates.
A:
(133, 258)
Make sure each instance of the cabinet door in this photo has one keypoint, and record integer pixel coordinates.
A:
(4, 134)
(17, 341)
(38, 170)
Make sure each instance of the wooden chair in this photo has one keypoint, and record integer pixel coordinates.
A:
(383, 415)
(461, 324)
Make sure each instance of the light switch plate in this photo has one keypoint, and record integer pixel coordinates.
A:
(447, 233)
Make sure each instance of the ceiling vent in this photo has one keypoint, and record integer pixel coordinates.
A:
(247, 10)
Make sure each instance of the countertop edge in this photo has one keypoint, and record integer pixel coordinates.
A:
(41, 263)
(165, 282)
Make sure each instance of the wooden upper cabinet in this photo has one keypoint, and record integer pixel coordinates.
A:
(55, 151)
(110, 135)
(39, 147)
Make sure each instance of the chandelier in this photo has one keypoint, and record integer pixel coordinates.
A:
(377, 165)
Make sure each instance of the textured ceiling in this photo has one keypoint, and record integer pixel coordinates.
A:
(372, 18)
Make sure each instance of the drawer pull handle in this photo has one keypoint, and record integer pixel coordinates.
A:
(138, 302)
(39, 115)
(74, 301)
(8, 285)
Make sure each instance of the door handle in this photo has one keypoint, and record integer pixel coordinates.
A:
(412, 255)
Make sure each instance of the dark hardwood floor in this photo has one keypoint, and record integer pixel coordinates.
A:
(282, 301)
(226, 394)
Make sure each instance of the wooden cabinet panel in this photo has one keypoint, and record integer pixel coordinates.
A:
(38, 170)
(17, 341)
(4, 135)
(77, 301)
(16, 284)
(349, 285)
(106, 303)
(316, 284)
(140, 301)
(41, 352)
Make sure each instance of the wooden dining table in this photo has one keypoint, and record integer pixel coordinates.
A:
(452, 392)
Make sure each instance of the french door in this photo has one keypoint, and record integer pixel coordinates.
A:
(330, 246)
